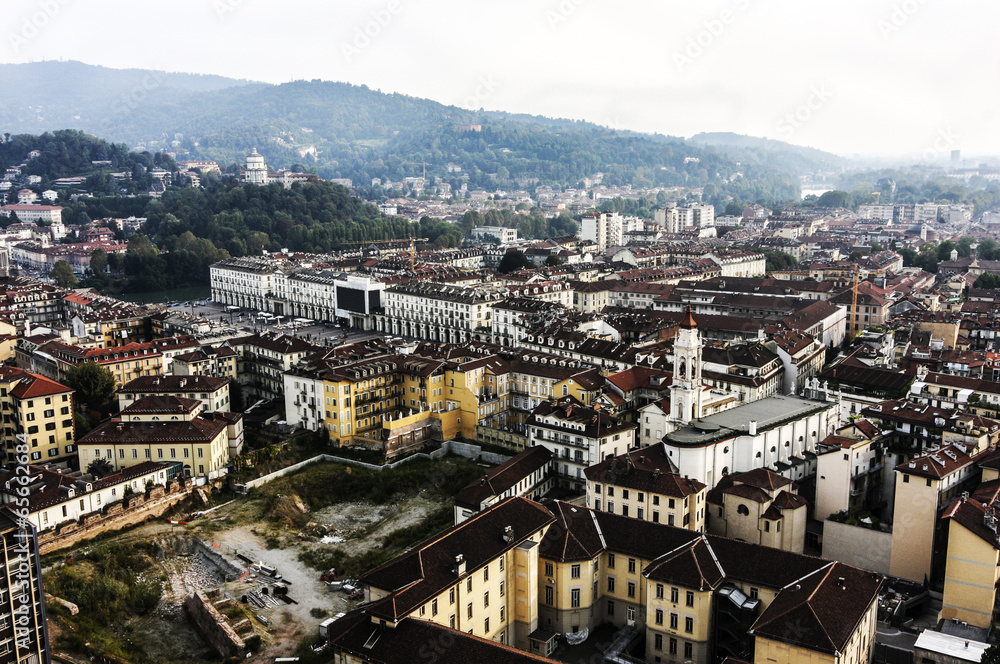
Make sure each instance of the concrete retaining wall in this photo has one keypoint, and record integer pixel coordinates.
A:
(213, 625)
(861, 547)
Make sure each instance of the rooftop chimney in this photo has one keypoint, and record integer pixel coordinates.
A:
(459, 565)
(752, 428)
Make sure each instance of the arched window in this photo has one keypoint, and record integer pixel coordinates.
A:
(682, 369)
(743, 509)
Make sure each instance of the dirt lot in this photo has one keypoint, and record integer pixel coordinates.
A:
(275, 527)
(360, 525)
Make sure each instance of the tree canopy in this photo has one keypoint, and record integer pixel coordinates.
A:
(513, 261)
(62, 274)
(94, 384)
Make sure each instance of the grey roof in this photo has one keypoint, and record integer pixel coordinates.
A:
(768, 413)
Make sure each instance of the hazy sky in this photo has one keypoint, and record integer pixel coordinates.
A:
(911, 77)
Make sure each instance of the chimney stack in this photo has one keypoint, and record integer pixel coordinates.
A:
(459, 565)
(752, 428)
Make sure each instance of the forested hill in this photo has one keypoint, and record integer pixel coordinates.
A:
(342, 130)
(786, 156)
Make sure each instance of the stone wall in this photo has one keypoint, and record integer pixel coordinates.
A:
(115, 516)
(861, 547)
(213, 625)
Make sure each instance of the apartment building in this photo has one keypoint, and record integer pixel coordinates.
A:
(480, 577)
(128, 362)
(37, 412)
(437, 312)
(111, 327)
(173, 346)
(801, 355)
(411, 640)
(925, 485)
(643, 484)
(578, 437)
(493, 233)
(850, 470)
(212, 391)
(527, 474)
(199, 441)
(262, 360)
(520, 573)
(218, 361)
(246, 282)
(972, 565)
(56, 497)
(24, 636)
(605, 229)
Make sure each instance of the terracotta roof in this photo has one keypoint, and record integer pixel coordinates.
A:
(648, 469)
(692, 565)
(166, 404)
(427, 570)
(503, 477)
(202, 429)
(762, 478)
(938, 464)
(414, 640)
(171, 384)
(821, 610)
(30, 385)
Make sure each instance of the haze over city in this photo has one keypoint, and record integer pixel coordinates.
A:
(856, 77)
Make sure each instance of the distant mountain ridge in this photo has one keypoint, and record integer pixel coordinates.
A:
(344, 130)
(794, 157)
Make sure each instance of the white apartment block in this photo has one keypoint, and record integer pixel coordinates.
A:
(244, 282)
(437, 312)
(503, 235)
(34, 213)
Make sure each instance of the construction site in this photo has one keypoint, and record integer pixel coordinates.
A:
(252, 576)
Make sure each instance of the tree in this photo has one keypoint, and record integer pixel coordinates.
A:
(553, 260)
(834, 199)
(100, 468)
(94, 384)
(513, 261)
(63, 275)
(99, 261)
(987, 280)
(991, 655)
